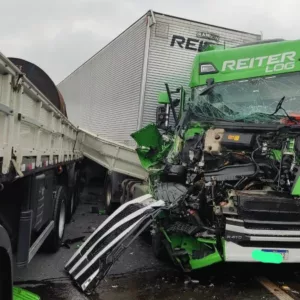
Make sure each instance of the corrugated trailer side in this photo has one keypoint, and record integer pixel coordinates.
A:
(103, 94)
(115, 92)
(174, 42)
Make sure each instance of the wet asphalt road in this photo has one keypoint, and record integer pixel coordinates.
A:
(138, 275)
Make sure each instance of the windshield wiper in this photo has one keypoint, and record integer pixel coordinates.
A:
(279, 107)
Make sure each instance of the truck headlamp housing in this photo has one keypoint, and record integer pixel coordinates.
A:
(207, 68)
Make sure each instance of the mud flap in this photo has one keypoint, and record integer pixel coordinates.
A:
(93, 260)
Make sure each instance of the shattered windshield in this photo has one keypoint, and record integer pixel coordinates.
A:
(252, 100)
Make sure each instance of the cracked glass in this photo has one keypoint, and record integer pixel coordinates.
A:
(251, 100)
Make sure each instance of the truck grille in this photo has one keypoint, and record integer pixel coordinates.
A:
(271, 207)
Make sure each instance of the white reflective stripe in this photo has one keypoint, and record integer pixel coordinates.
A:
(113, 242)
(266, 232)
(118, 224)
(275, 238)
(122, 207)
(234, 220)
(89, 280)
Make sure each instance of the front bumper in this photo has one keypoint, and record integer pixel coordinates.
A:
(237, 253)
(241, 243)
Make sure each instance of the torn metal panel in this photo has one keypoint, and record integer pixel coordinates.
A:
(94, 258)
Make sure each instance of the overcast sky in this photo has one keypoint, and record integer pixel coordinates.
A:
(59, 35)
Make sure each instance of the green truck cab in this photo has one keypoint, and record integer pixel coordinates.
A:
(228, 158)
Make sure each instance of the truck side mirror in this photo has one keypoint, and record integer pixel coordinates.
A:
(162, 116)
(163, 111)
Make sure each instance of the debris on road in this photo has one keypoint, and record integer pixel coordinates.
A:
(21, 294)
(69, 242)
(94, 209)
(90, 229)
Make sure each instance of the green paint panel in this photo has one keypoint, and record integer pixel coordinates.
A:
(191, 244)
(149, 136)
(21, 294)
(277, 154)
(151, 147)
(205, 261)
(196, 129)
(163, 98)
(248, 62)
(296, 188)
(267, 257)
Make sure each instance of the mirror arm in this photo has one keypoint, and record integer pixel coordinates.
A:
(171, 104)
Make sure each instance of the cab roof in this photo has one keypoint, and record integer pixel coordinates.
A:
(249, 61)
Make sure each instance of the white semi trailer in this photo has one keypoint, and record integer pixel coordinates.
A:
(114, 93)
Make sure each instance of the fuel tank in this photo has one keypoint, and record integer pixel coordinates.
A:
(42, 81)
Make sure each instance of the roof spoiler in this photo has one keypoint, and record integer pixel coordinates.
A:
(260, 42)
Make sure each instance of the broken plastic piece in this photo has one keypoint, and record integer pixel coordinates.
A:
(21, 294)
(68, 242)
(93, 260)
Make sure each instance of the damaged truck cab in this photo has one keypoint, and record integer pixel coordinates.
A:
(230, 179)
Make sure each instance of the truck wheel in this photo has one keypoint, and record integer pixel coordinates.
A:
(77, 191)
(70, 205)
(6, 285)
(109, 205)
(73, 199)
(54, 240)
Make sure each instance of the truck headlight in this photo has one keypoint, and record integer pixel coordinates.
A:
(207, 68)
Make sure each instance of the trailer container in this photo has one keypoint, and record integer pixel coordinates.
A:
(114, 93)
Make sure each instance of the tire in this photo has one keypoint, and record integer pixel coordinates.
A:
(54, 240)
(6, 284)
(108, 194)
(73, 199)
(78, 190)
(70, 205)
(169, 191)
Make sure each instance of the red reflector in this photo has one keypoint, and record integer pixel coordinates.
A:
(287, 121)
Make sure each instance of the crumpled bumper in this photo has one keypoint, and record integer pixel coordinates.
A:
(92, 261)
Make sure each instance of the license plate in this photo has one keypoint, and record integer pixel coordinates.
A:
(284, 253)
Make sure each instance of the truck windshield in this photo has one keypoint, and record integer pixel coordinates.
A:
(250, 100)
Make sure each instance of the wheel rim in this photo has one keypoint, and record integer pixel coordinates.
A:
(62, 218)
(72, 203)
(108, 196)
